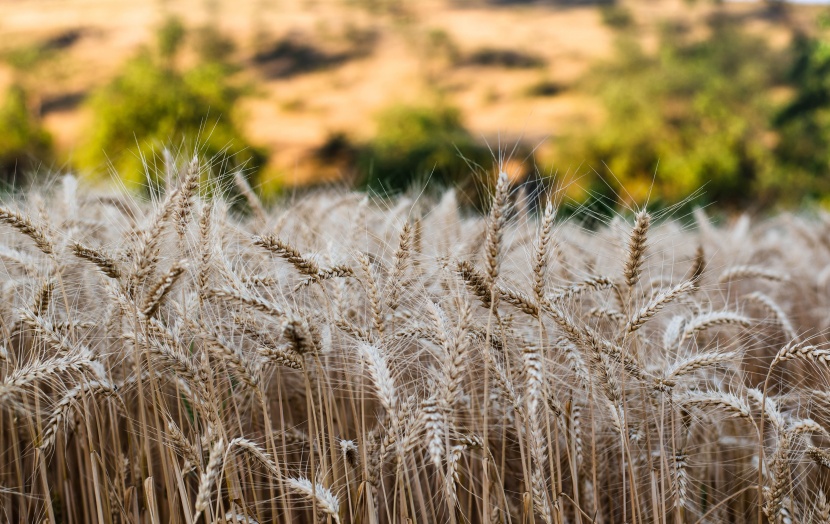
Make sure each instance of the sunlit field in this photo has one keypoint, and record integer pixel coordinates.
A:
(342, 358)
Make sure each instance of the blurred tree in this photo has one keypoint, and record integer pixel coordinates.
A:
(416, 144)
(617, 17)
(695, 114)
(151, 104)
(803, 151)
(24, 144)
(170, 37)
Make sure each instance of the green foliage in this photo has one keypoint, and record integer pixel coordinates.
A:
(419, 143)
(24, 144)
(170, 37)
(151, 104)
(694, 115)
(616, 16)
(803, 124)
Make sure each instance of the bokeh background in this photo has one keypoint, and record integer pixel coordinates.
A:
(669, 101)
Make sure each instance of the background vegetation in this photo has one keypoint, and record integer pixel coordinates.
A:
(710, 104)
(155, 102)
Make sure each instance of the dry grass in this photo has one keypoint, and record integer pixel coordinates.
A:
(334, 360)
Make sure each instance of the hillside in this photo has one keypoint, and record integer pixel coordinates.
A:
(325, 67)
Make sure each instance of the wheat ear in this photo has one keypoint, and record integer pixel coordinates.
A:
(246, 299)
(304, 265)
(476, 282)
(282, 356)
(708, 320)
(62, 410)
(189, 186)
(681, 480)
(592, 284)
(399, 266)
(636, 248)
(206, 239)
(43, 296)
(382, 378)
(746, 272)
(24, 225)
(79, 363)
(208, 477)
(255, 451)
(301, 336)
(434, 425)
(801, 351)
(819, 456)
(696, 362)
(727, 402)
(317, 494)
(161, 288)
(660, 301)
(373, 293)
(180, 441)
(104, 262)
(540, 265)
(455, 360)
(495, 229)
(699, 266)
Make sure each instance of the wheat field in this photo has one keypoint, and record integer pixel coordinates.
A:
(344, 360)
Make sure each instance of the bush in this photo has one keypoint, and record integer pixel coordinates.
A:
(24, 144)
(505, 58)
(695, 114)
(155, 101)
(617, 16)
(803, 124)
(419, 143)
